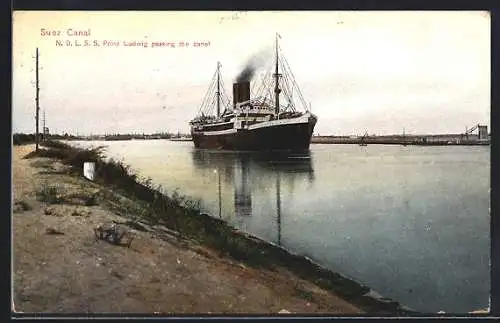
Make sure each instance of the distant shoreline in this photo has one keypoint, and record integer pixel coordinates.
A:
(423, 140)
(418, 140)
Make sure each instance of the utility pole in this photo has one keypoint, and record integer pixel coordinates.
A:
(44, 133)
(37, 102)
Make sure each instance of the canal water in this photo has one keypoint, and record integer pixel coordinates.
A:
(410, 222)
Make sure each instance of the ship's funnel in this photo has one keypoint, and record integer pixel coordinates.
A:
(241, 92)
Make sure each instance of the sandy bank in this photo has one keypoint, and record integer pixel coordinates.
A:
(72, 272)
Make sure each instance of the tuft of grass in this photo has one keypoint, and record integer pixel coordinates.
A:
(299, 292)
(45, 164)
(192, 206)
(48, 194)
(21, 206)
(135, 225)
(114, 234)
(91, 200)
(52, 231)
(55, 144)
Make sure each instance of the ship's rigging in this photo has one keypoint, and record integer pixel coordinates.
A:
(279, 86)
(215, 96)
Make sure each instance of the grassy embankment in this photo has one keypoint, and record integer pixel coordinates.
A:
(23, 139)
(183, 216)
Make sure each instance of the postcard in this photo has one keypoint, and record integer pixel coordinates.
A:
(251, 162)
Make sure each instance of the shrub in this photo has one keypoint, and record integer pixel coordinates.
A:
(21, 206)
(21, 138)
(55, 144)
(48, 194)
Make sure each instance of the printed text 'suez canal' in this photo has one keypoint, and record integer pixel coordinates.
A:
(125, 43)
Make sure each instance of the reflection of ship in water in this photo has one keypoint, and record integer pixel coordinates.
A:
(247, 171)
(278, 206)
(250, 172)
(242, 188)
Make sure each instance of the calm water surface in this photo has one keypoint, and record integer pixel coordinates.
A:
(410, 222)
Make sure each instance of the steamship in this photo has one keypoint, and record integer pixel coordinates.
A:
(268, 121)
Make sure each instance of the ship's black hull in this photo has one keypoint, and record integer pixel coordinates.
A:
(295, 137)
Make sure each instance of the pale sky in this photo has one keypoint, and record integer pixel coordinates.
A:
(427, 72)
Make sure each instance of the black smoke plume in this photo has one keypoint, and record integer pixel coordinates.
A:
(254, 63)
(246, 74)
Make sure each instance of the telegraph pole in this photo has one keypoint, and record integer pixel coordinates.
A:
(37, 102)
(43, 127)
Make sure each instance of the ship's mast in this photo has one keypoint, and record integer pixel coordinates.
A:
(276, 86)
(218, 90)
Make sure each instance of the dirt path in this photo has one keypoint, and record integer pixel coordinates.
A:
(72, 272)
